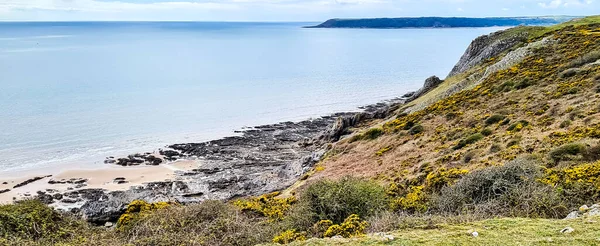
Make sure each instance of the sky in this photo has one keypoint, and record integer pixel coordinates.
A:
(280, 10)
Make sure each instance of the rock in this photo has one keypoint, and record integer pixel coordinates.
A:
(69, 200)
(430, 83)
(4, 183)
(584, 209)
(475, 234)
(57, 196)
(31, 180)
(383, 236)
(486, 47)
(572, 215)
(4, 191)
(108, 224)
(45, 198)
(409, 94)
(337, 237)
(70, 181)
(120, 181)
(100, 212)
(567, 230)
(595, 206)
(593, 212)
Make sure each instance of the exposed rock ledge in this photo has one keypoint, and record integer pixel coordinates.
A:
(261, 160)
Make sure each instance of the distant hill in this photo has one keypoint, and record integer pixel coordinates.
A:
(442, 22)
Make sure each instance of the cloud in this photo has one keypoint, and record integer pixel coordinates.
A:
(279, 10)
(554, 4)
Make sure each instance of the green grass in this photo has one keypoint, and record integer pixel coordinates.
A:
(506, 231)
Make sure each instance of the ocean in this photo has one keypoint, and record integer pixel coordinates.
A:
(73, 93)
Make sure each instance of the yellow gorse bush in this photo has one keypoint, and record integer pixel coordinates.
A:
(267, 205)
(351, 227)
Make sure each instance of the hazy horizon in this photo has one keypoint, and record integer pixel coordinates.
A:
(281, 10)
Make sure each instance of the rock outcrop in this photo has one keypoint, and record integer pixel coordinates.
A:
(430, 83)
(486, 47)
(585, 211)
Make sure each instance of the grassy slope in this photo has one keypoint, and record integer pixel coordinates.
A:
(534, 33)
(548, 101)
(491, 232)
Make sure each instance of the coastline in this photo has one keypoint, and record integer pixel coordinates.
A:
(250, 162)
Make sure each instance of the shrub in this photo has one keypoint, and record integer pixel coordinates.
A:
(495, 148)
(337, 200)
(32, 220)
(569, 73)
(267, 205)
(469, 140)
(351, 227)
(523, 84)
(585, 59)
(415, 200)
(416, 130)
(207, 223)
(289, 236)
(567, 152)
(516, 127)
(592, 153)
(435, 181)
(486, 132)
(494, 119)
(137, 209)
(383, 150)
(565, 124)
(513, 142)
(510, 190)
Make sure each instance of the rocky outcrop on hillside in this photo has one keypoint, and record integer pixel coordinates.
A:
(486, 47)
(430, 83)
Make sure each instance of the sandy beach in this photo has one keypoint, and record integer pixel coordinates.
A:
(102, 178)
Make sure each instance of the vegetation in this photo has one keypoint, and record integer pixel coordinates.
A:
(507, 231)
(519, 142)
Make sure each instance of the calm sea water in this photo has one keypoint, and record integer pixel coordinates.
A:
(78, 92)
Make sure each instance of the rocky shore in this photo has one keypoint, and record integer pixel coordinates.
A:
(259, 160)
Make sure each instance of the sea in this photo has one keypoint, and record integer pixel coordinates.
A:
(73, 93)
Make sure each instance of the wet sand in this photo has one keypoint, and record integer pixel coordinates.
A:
(103, 178)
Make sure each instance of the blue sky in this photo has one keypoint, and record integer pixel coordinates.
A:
(281, 10)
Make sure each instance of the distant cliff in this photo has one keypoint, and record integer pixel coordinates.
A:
(441, 22)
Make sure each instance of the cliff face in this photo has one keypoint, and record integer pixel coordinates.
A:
(486, 47)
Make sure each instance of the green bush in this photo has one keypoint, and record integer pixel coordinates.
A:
(516, 127)
(509, 190)
(495, 148)
(568, 152)
(565, 124)
(585, 59)
(416, 130)
(337, 200)
(569, 73)
(494, 119)
(469, 140)
(32, 220)
(487, 132)
(207, 223)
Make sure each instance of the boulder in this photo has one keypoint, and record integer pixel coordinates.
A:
(430, 84)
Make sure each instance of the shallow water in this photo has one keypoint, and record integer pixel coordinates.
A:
(78, 92)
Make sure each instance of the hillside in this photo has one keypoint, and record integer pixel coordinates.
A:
(507, 144)
(441, 22)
